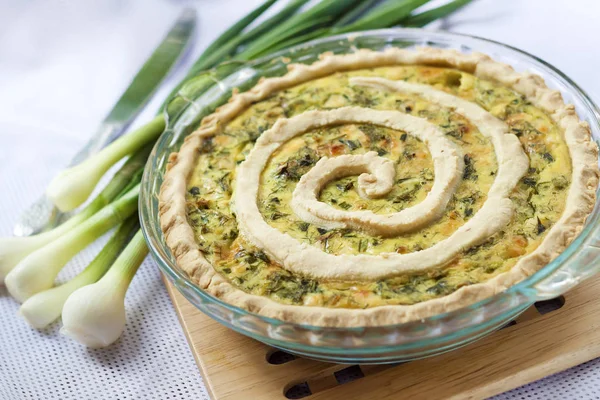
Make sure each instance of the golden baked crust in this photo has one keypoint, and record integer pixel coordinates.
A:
(580, 199)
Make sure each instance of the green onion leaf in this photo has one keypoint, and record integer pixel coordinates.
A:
(355, 13)
(322, 32)
(429, 16)
(388, 14)
(313, 17)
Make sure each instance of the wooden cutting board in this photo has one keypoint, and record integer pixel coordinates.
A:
(236, 367)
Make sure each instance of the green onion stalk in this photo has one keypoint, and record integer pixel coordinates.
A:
(94, 315)
(92, 303)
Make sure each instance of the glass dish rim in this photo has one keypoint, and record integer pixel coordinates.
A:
(180, 277)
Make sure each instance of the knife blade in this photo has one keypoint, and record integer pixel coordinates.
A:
(42, 214)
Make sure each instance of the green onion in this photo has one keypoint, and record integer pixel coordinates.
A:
(45, 307)
(14, 249)
(37, 271)
(94, 315)
(429, 16)
(73, 186)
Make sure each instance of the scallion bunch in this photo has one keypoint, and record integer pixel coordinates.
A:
(92, 303)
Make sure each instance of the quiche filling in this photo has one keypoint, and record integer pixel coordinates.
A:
(345, 220)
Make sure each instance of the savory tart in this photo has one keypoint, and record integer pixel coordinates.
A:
(376, 188)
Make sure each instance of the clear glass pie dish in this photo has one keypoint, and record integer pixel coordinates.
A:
(381, 344)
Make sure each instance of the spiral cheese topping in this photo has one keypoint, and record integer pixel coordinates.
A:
(376, 178)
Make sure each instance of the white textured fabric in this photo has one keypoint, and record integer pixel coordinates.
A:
(62, 66)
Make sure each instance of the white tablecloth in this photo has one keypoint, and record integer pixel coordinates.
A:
(63, 64)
